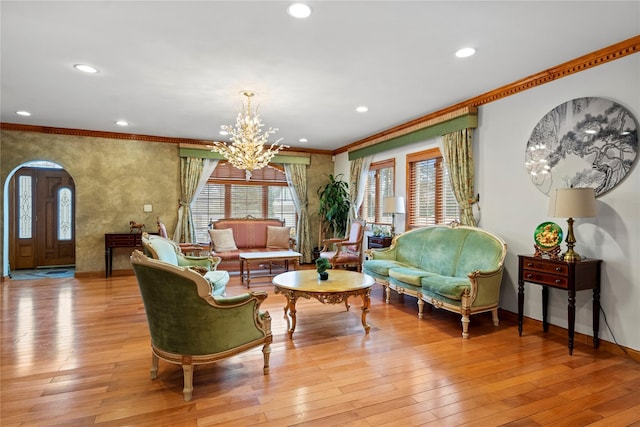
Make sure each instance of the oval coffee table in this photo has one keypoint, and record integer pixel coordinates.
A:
(337, 289)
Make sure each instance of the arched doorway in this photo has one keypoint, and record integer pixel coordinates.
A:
(41, 216)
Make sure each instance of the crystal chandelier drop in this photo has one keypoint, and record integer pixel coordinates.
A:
(247, 149)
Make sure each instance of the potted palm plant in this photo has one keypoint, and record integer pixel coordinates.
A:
(335, 203)
(322, 265)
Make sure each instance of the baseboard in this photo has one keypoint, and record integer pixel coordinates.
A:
(98, 274)
(578, 337)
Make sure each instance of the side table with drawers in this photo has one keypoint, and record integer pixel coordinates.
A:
(377, 242)
(568, 276)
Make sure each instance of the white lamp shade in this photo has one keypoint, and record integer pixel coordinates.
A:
(394, 205)
(572, 203)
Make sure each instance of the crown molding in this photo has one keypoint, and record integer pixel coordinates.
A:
(585, 62)
(127, 136)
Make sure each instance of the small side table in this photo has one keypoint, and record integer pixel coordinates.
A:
(377, 242)
(568, 276)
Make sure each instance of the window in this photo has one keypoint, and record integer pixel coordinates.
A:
(65, 213)
(380, 184)
(227, 194)
(25, 210)
(431, 199)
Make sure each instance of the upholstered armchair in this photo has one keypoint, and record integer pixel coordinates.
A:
(348, 251)
(184, 247)
(190, 327)
(167, 251)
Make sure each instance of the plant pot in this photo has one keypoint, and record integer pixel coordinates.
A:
(324, 275)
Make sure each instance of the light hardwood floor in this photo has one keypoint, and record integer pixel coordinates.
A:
(76, 352)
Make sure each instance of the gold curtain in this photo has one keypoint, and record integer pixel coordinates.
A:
(458, 154)
(297, 180)
(190, 172)
(356, 168)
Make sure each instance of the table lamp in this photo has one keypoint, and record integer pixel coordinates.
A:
(572, 203)
(393, 205)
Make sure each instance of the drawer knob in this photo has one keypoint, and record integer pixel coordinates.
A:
(558, 281)
(558, 269)
(529, 264)
(529, 276)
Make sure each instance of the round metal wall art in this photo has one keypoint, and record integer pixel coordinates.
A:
(585, 142)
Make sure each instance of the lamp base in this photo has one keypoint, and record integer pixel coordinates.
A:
(571, 256)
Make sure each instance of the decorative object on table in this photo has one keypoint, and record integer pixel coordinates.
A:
(584, 142)
(548, 237)
(381, 231)
(135, 226)
(247, 149)
(572, 203)
(393, 205)
(322, 265)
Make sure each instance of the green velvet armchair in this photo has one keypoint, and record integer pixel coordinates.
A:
(168, 251)
(189, 326)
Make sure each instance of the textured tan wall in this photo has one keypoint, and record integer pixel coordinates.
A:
(114, 179)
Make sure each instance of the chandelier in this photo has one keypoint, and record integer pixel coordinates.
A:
(247, 148)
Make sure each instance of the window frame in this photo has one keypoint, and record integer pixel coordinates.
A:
(442, 184)
(227, 176)
(379, 217)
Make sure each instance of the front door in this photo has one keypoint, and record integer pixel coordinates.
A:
(42, 218)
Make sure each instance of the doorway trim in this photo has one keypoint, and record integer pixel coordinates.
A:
(5, 213)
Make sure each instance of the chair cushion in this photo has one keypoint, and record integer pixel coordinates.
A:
(410, 275)
(165, 250)
(278, 237)
(450, 287)
(222, 240)
(382, 266)
(218, 280)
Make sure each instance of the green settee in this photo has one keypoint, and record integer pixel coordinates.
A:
(455, 267)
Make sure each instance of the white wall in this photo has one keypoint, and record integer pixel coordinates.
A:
(512, 206)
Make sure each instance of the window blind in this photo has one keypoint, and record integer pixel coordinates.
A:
(380, 184)
(430, 197)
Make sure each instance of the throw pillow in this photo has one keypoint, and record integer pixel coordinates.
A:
(223, 240)
(278, 237)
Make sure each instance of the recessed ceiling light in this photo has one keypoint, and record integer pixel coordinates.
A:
(122, 123)
(23, 113)
(86, 68)
(362, 109)
(303, 140)
(465, 52)
(299, 10)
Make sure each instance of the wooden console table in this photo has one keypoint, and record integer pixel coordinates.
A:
(119, 240)
(568, 276)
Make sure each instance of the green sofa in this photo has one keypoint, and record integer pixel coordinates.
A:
(455, 267)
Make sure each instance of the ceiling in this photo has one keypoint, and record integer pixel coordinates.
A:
(176, 68)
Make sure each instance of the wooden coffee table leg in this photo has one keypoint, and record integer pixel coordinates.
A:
(290, 315)
(366, 301)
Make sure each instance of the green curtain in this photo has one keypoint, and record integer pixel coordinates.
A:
(190, 172)
(458, 154)
(297, 180)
